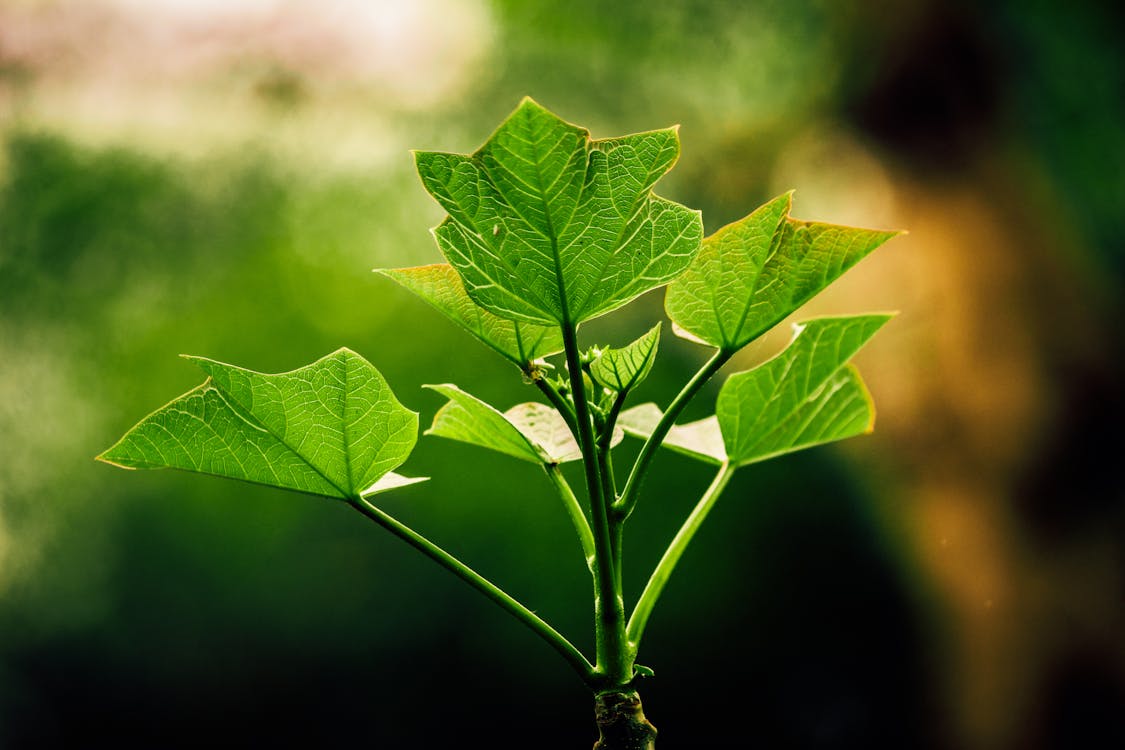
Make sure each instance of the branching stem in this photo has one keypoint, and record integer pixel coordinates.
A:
(628, 500)
(565, 409)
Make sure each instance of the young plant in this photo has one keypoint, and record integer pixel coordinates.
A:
(546, 229)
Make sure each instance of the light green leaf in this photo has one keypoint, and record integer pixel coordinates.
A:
(518, 342)
(391, 481)
(531, 432)
(751, 274)
(805, 396)
(546, 429)
(548, 226)
(332, 428)
(624, 368)
(469, 420)
(700, 439)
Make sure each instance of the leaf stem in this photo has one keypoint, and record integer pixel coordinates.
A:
(613, 662)
(540, 627)
(628, 500)
(667, 564)
(565, 409)
(574, 508)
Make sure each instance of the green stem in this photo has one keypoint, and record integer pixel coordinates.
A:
(609, 484)
(667, 564)
(556, 640)
(611, 418)
(574, 508)
(614, 664)
(628, 500)
(562, 406)
(616, 527)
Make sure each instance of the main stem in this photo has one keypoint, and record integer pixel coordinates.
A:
(614, 658)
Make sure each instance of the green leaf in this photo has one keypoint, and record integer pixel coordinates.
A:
(805, 396)
(700, 439)
(622, 369)
(548, 226)
(469, 420)
(531, 432)
(751, 274)
(518, 342)
(545, 429)
(332, 428)
(391, 481)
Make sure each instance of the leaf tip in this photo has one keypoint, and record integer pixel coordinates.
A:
(105, 458)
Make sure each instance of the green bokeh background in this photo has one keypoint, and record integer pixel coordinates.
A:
(157, 609)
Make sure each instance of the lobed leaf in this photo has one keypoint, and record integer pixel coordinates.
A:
(625, 368)
(331, 428)
(805, 396)
(548, 226)
(519, 342)
(751, 274)
(701, 439)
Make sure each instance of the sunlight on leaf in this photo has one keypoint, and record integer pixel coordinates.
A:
(332, 428)
(548, 226)
(467, 419)
(530, 432)
(624, 368)
(806, 395)
(753, 273)
(518, 342)
(700, 439)
(391, 481)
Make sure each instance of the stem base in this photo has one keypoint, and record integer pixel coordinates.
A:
(622, 723)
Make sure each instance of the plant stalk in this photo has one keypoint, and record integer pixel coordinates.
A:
(577, 516)
(667, 564)
(614, 659)
(556, 640)
(628, 500)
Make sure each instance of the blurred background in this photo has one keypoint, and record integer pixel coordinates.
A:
(215, 178)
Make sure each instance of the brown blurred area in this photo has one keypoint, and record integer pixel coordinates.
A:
(995, 135)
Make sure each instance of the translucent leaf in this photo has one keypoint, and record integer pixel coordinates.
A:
(751, 274)
(548, 226)
(518, 342)
(545, 429)
(332, 428)
(530, 432)
(624, 368)
(701, 439)
(469, 420)
(805, 396)
(391, 481)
